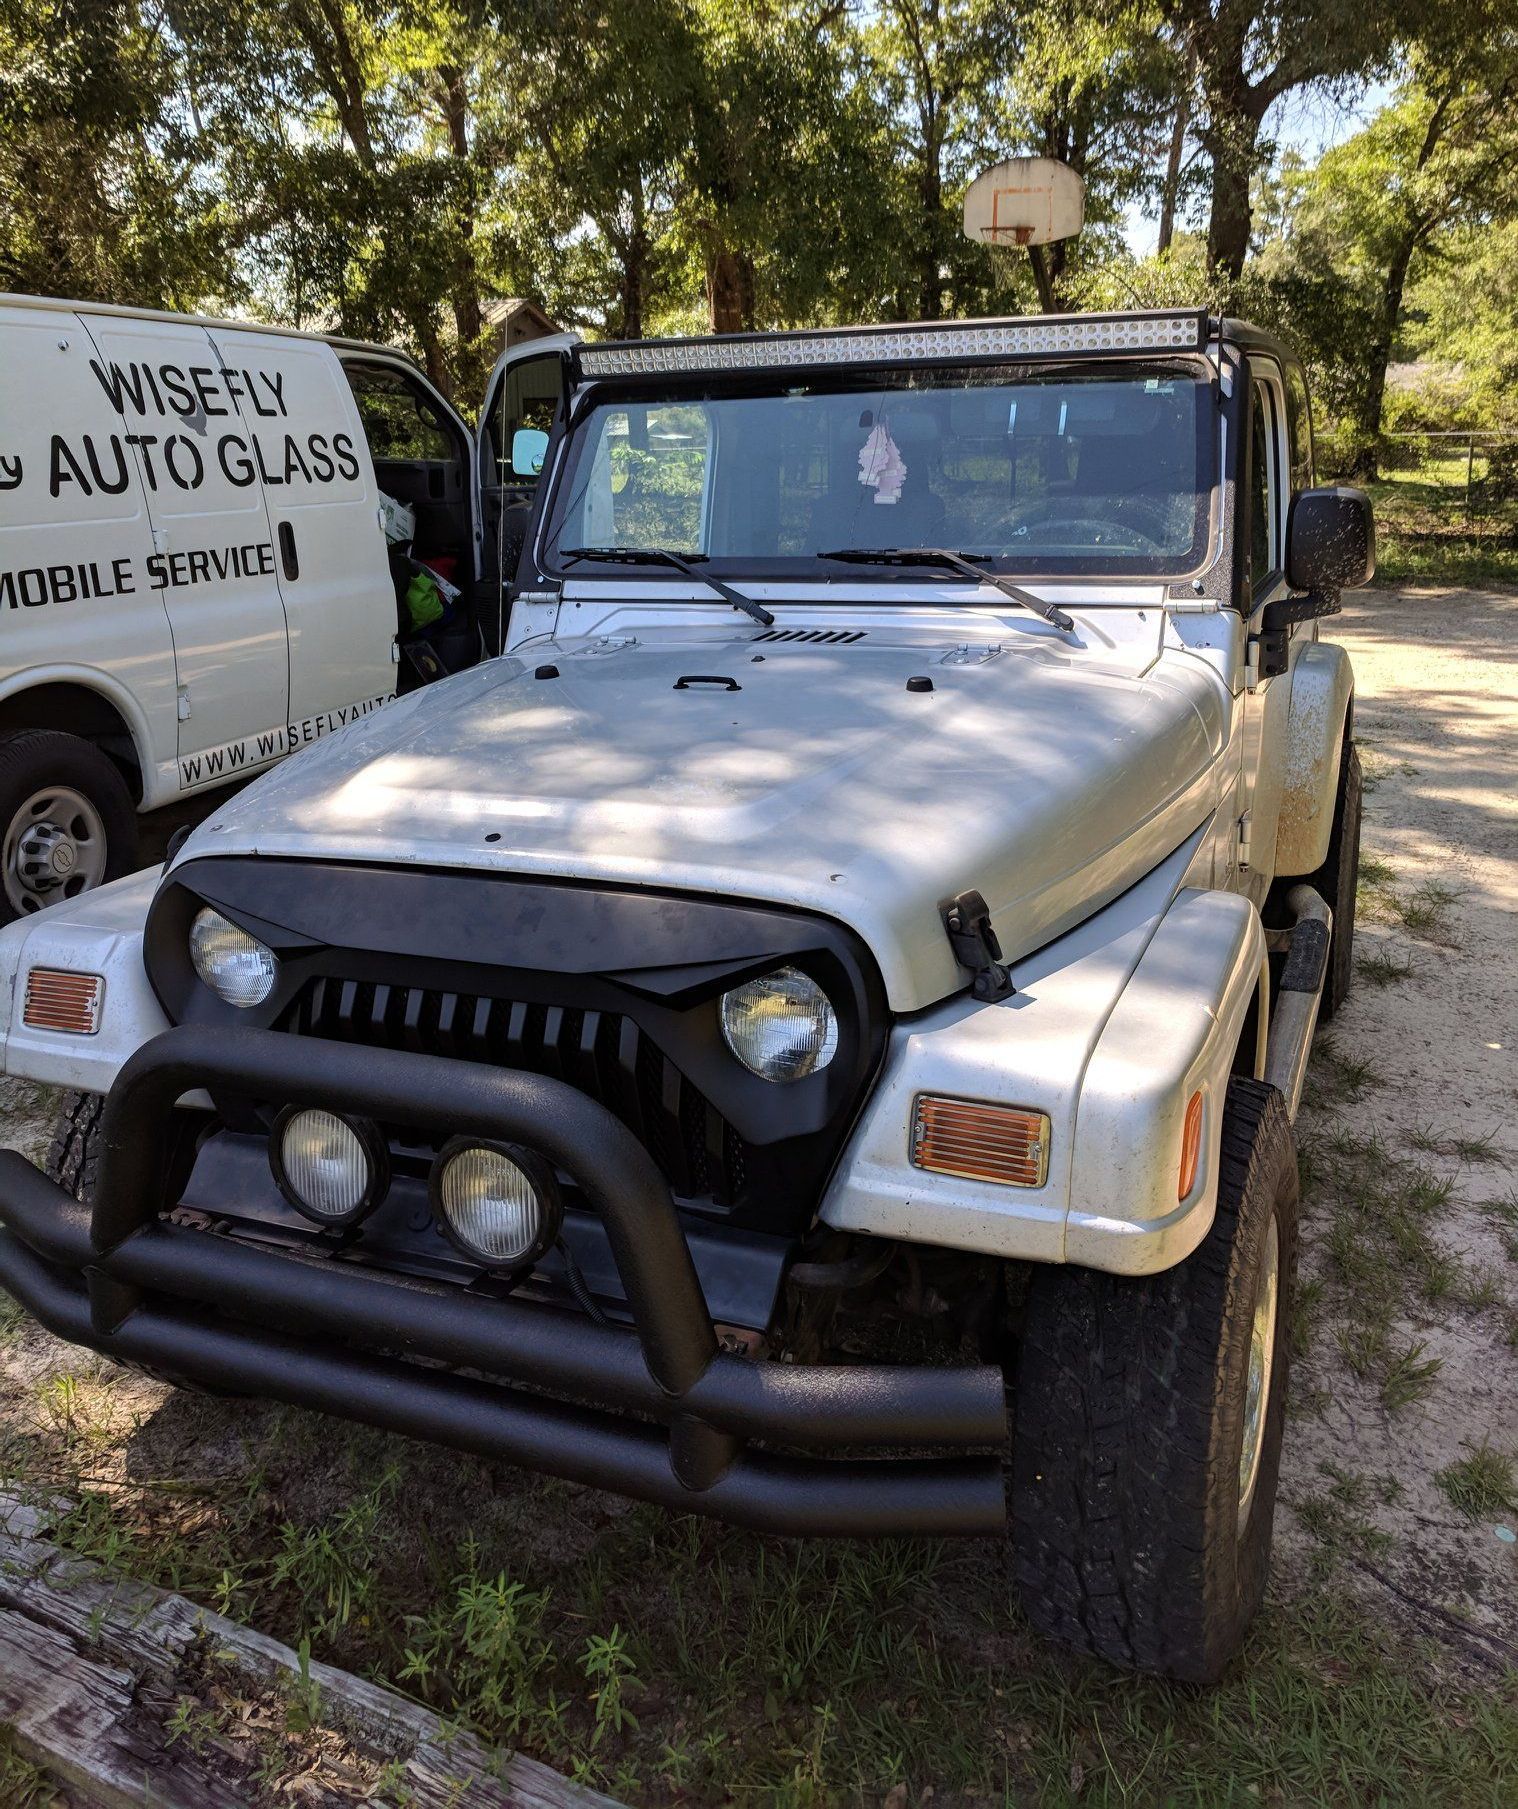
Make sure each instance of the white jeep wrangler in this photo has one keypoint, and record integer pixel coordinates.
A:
(809, 1034)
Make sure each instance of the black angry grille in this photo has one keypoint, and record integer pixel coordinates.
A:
(603, 1054)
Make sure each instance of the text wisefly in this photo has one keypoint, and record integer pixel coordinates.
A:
(187, 400)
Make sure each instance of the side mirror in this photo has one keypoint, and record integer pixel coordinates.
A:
(1330, 540)
(529, 447)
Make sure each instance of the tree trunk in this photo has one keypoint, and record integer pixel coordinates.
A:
(1373, 403)
(1232, 150)
(730, 290)
(930, 225)
(1170, 191)
(342, 73)
(468, 316)
(434, 359)
(634, 285)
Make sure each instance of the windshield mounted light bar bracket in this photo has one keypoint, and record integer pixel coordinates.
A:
(967, 919)
(1042, 336)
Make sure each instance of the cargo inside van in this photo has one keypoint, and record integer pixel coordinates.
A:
(421, 461)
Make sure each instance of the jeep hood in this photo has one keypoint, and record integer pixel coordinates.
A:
(807, 775)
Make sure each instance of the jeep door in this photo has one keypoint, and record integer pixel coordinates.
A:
(1267, 703)
(527, 394)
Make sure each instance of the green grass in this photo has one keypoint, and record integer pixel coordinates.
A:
(22, 1785)
(1425, 910)
(1334, 1078)
(662, 1657)
(1379, 1212)
(1424, 534)
(1409, 1376)
(1481, 1485)
(1463, 560)
(1459, 1149)
(1384, 968)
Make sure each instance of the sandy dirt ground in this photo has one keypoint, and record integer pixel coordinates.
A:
(1437, 722)
(1419, 1078)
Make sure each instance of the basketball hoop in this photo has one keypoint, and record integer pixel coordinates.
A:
(1018, 206)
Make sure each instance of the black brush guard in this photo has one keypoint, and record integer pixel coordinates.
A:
(658, 1412)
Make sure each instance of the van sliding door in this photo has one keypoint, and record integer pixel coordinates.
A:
(323, 522)
(190, 424)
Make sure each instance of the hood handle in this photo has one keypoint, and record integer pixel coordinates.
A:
(707, 678)
(967, 919)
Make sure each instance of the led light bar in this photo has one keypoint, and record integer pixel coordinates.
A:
(1055, 335)
(59, 1000)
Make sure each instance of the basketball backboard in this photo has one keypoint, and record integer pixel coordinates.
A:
(1025, 201)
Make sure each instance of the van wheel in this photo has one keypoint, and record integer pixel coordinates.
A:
(1337, 881)
(1147, 1435)
(68, 821)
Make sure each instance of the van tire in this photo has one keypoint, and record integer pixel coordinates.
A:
(1337, 882)
(67, 823)
(1129, 1532)
(73, 1161)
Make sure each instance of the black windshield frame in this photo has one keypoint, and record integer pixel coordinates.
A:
(675, 389)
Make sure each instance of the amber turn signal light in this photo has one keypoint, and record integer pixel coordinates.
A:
(1191, 1146)
(1005, 1144)
(58, 1000)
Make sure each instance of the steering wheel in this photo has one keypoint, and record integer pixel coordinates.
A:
(1053, 514)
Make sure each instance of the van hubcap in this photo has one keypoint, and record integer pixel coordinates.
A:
(54, 848)
(1262, 1345)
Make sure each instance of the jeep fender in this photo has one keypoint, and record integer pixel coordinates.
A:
(1110, 1032)
(1322, 690)
(99, 932)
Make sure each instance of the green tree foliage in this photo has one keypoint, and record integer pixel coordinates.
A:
(387, 167)
(101, 192)
(1435, 166)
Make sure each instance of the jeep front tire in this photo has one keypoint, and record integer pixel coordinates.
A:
(1148, 1419)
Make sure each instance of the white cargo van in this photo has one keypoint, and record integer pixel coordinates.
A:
(208, 533)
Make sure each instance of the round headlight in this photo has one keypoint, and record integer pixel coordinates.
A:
(236, 966)
(331, 1168)
(781, 1027)
(498, 1204)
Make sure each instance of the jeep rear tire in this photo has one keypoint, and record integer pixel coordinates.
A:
(1337, 881)
(1148, 1419)
(67, 823)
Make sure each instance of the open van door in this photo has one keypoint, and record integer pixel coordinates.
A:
(527, 393)
(423, 454)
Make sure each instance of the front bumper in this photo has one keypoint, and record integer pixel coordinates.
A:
(657, 1412)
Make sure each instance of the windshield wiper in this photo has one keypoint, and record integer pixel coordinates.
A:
(658, 555)
(952, 562)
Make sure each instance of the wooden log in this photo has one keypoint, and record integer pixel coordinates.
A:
(94, 1668)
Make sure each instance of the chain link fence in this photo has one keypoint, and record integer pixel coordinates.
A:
(1454, 478)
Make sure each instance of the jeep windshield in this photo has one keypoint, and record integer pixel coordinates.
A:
(1040, 470)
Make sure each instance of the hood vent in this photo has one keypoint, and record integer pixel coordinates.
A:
(832, 636)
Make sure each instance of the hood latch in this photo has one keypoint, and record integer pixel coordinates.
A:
(967, 919)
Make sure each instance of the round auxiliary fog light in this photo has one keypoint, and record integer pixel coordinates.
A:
(331, 1168)
(497, 1204)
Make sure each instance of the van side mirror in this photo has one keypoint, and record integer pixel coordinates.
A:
(1330, 540)
(529, 447)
